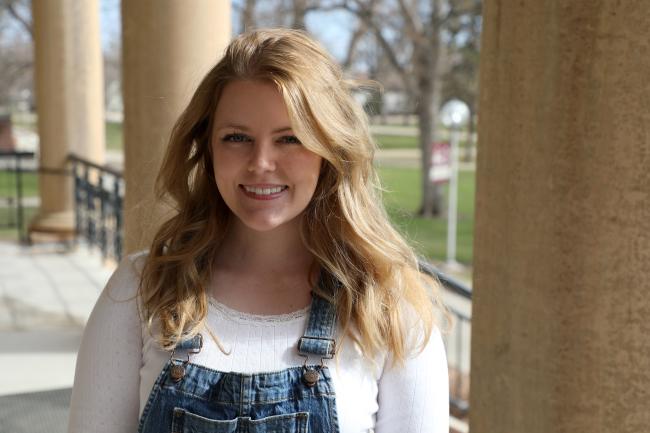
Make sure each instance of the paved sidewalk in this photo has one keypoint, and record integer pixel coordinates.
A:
(39, 412)
(46, 296)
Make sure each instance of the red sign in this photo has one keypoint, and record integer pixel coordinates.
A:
(440, 171)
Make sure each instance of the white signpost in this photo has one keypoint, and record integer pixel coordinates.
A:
(454, 115)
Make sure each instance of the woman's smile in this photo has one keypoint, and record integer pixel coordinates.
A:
(264, 191)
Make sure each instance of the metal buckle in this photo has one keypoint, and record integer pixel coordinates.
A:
(177, 370)
(329, 356)
(311, 375)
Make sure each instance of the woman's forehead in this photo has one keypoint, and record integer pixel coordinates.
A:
(247, 103)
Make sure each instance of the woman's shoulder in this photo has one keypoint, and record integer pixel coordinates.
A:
(125, 280)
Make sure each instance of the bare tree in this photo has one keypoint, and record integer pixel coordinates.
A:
(248, 15)
(461, 79)
(299, 13)
(411, 36)
(20, 11)
(280, 13)
(357, 34)
(417, 69)
(16, 39)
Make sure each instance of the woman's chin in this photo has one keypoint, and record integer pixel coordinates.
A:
(267, 225)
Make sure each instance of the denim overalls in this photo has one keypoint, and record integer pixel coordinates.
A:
(188, 397)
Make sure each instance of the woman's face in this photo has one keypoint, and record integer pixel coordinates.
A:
(264, 174)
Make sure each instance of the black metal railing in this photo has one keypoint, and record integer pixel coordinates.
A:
(98, 196)
(12, 200)
(457, 342)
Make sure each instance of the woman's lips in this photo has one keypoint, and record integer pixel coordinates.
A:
(263, 191)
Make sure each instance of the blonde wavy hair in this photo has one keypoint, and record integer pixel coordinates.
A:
(345, 227)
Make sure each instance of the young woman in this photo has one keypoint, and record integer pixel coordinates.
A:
(278, 298)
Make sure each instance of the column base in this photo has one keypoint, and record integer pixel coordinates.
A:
(60, 225)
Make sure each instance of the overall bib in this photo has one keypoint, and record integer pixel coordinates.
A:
(188, 397)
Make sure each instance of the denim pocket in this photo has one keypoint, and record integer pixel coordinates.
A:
(187, 422)
(290, 423)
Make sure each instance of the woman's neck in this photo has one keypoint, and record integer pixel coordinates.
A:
(277, 251)
(263, 272)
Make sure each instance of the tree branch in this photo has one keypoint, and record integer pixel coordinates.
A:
(414, 27)
(354, 40)
(25, 23)
(366, 15)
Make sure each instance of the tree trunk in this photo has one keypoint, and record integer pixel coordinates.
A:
(248, 15)
(427, 111)
(431, 204)
(299, 12)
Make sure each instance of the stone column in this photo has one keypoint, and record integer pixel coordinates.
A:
(70, 102)
(168, 46)
(562, 250)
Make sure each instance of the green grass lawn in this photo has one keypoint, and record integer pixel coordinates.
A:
(114, 135)
(406, 142)
(396, 141)
(428, 236)
(8, 183)
(9, 216)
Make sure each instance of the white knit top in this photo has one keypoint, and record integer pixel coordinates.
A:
(118, 363)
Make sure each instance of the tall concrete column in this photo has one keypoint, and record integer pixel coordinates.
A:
(561, 302)
(70, 101)
(168, 46)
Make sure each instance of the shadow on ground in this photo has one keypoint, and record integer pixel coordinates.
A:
(40, 412)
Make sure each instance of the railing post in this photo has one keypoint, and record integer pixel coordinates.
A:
(19, 196)
(90, 207)
(77, 201)
(118, 220)
(102, 216)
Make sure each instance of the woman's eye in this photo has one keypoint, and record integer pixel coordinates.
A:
(290, 139)
(236, 138)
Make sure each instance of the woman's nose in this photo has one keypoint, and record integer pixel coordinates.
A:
(262, 157)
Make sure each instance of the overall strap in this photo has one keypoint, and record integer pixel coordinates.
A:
(193, 345)
(318, 338)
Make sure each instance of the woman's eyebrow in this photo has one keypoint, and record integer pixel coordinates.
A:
(244, 128)
(233, 126)
(286, 128)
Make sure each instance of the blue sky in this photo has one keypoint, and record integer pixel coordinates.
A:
(333, 29)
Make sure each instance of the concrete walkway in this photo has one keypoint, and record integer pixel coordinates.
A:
(46, 296)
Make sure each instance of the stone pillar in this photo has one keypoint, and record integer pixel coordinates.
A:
(168, 46)
(70, 102)
(562, 249)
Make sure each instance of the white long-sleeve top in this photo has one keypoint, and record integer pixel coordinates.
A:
(119, 361)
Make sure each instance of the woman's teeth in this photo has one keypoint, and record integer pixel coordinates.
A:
(264, 191)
